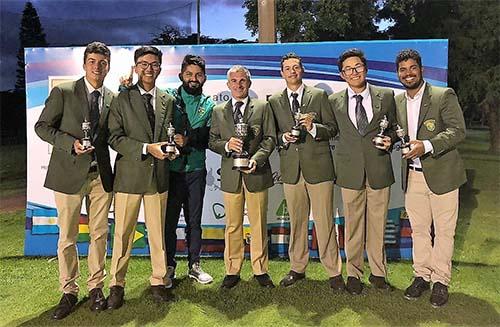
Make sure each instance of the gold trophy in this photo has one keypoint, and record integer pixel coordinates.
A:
(241, 160)
(86, 135)
(378, 140)
(404, 146)
(295, 132)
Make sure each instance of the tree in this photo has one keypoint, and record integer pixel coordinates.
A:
(473, 32)
(321, 20)
(30, 35)
(170, 35)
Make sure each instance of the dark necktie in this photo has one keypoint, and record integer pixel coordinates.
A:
(237, 116)
(149, 110)
(295, 103)
(94, 111)
(361, 119)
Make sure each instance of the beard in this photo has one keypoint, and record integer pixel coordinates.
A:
(193, 88)
(412, 85)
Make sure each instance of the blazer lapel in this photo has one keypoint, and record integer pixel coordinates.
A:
(160, 111)
(81, 94)
(376, 107)
(425, 105)
(403, 113)
(228, 116)
(285, 104)
(139, 108)
(306, 98)
(248, 111)
(105, 107)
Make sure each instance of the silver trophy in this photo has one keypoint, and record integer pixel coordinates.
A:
(404, 146)
(295, 132)
(378, 140)
(241, 160)
(170, 147)
(86, 135)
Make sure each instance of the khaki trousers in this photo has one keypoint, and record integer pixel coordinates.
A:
(365, 214)
(69, 207)
(300, 199)
(431, 261)
(234, 204)
(126, 213)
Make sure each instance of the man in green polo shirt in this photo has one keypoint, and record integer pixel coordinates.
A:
(192, 117)
(192, 113)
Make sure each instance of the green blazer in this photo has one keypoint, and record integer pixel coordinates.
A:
(310, 155)
(355, 156)
(440, 121)
(260, 142)
(60, 124)
(129, 130)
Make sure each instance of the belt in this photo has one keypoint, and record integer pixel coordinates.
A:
(416, 168)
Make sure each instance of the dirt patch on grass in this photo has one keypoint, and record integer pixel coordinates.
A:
(13, 202)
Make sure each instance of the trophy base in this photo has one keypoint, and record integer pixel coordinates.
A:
(405, 150)
(86, 144)
(241, 163)
(295, 132)
(378, 141)
(168, 149)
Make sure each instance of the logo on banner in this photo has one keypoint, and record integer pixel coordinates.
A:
(282, 212)
(218, 210)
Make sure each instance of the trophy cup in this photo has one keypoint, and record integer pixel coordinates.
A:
(86, 135)
(378, 140)
(241, 160)
(295, 132)
(170, 147)
(404, 146)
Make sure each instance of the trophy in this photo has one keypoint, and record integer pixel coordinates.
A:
(295, 132)
(241, 160)
(404, 146)
(86, 135)
(378, 140)
(170, 147)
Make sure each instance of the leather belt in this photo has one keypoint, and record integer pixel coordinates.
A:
(416, 168)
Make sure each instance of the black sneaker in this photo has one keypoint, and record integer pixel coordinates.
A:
(439, 295)
(115, 298)
(264, 280)
(230, 281)
(291, 278)
(415, 290)
(354, 285)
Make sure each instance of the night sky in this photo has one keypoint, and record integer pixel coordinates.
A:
(71, 22)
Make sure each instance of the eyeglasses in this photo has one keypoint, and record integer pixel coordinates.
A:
(144, 65)
(350, 70)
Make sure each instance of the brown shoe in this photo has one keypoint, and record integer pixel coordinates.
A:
(264, 280)
(354, 285)
(230, 281)
(337, 283)
(291, 278)
(65, 306)
(380, 283)
(97, 300)
(439, 295)
(417, 287)
(115, 298)
(159, 293)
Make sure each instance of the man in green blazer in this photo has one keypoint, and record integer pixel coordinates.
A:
(76, 172)
(138, 124)
(306, 171)
(250, 185)
(364, 172)
(431, 172)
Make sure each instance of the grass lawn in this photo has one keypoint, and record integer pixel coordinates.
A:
(28, 286)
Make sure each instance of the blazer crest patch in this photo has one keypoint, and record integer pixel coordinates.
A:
(430, 124)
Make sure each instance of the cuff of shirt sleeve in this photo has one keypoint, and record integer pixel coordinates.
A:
(428, 146)
(313, 131)
(145, 149)
(226, 147)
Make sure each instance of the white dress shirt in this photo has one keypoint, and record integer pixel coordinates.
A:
(300, 92)
(412, 113)
(91, 89)
(366, 102)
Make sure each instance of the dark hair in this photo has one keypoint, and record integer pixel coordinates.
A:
(354, 52)
(142, 51)
(97, 47)
(291, 55)
(406, 54)
(190, 59)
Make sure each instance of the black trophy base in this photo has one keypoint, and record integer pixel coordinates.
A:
(241, 162)
(405, 149)
(168, 148)
(378, 141)
(295, 132)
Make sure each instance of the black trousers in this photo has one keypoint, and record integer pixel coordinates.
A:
(186, 191)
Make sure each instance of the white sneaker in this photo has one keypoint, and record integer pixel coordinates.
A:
(199, 275)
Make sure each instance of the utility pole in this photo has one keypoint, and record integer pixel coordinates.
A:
(267, 21)
(198, 32)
